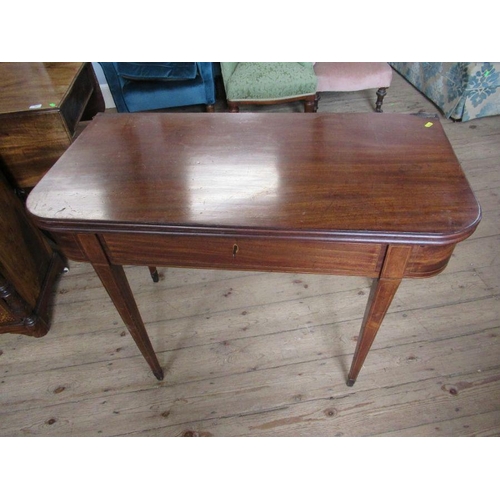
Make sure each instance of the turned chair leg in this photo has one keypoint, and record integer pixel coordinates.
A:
(210, 108)
(233, 108)
(310, 105)
(381, 93)
(316, 102)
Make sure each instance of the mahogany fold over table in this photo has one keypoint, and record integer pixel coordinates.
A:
(381, 196)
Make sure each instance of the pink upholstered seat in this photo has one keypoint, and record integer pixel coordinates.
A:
(353, 76)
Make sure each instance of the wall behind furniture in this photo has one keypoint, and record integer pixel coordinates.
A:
(108, 98)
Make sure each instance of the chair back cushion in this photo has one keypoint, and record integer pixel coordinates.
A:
(157, 70)
(352, 76)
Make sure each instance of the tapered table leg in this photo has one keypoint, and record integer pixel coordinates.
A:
(382, 292)
(116, 284)
(381, 295)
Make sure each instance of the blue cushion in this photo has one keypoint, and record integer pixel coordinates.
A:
(157, 71)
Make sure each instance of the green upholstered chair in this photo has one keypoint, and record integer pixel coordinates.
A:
(269, 83)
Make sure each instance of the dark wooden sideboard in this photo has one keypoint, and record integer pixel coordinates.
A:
(28, 269)
(41, 105)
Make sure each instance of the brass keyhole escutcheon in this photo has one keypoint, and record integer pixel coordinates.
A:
(235, 250)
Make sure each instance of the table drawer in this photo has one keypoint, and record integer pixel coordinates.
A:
(246, 253)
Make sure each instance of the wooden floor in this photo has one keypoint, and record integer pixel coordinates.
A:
(255, 354)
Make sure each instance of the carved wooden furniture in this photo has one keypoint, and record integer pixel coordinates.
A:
(28, 269)
(356, 194)
(354, 76)
(41, 105)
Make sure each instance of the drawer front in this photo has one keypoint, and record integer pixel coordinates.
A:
(258, 254)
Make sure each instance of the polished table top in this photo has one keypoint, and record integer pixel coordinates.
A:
(378, 177)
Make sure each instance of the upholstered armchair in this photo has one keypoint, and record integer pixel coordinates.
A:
(137, 86)
(269, 83)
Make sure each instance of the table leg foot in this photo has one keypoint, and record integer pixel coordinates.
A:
(158, 374)
(350, 382)
(154, 274)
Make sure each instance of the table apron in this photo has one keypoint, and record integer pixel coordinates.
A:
(257, 254)
(245, 253)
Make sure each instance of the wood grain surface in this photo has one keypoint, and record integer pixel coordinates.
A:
(41, 105)
(368, 176)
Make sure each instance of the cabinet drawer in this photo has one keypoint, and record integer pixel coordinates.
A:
(245, 253)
